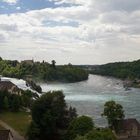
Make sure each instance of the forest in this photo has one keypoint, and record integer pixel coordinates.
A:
(42, 71)
(122, 70)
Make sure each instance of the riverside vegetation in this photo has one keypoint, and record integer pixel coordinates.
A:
(128, 71)
(52, 119)
(41, 71)
(14, 103)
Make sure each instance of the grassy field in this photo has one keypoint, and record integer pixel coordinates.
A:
(19, 121)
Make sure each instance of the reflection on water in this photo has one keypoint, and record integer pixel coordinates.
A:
(89, 96)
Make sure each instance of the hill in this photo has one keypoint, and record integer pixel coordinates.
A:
(129, 71)
(41, 71)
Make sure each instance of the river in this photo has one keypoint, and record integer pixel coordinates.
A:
(88, 97)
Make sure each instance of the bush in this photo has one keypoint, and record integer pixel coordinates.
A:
(79, 126)
(104, 134)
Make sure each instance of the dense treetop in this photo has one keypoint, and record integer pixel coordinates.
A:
(79, 126)
(113, 112)
(14, 102)
(42, 71)
(103, 134)
(121, 70)
(50, 117)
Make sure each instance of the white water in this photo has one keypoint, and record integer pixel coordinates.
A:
(89, 96)
(19, 82)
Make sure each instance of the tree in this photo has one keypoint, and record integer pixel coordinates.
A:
(0, 59)
(42, 71)
(51, 115)
(104, 134)
(113, 112)
(34, 131)
(72, 113)
(16, 103)
(4, 100)
(53, 63)
(6, 103)
(27, 98)
(79, 126)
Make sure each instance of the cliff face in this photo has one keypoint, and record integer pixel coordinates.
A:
(30, 83)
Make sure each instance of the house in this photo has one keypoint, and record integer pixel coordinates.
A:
(129, 130)
(6, 135)
(10, 87)
(29, 62)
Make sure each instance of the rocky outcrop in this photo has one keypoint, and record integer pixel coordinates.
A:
(33, 86)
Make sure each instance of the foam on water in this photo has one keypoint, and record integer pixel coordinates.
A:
(18, 82)
(89, 96)
(93, 98)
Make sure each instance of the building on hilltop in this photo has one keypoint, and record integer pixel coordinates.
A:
(29, 62)
(129, 130)
(10, 87)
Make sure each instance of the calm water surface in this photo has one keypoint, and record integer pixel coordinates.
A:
(89, 96)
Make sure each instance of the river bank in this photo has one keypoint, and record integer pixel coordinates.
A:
(89, 96)
(131, 83)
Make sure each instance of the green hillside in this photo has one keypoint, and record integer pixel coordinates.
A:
(123, 70)
(42, 71)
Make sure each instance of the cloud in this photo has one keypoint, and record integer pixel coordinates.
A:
(6, 27)
(102, 27)
(10, 1)
(77, 2)
(18, 8)
(3, 37)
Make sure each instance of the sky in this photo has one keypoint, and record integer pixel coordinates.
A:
(70, 31)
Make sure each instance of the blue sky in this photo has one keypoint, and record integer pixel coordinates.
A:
(27, 5)
(76, 31)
